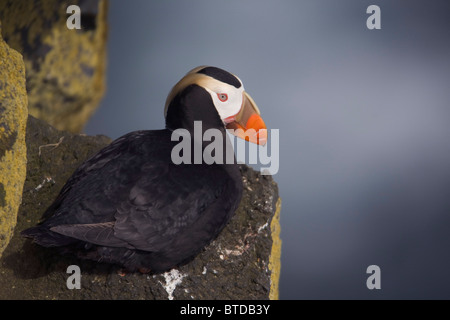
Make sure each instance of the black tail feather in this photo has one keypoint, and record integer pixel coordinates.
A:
(46, 238)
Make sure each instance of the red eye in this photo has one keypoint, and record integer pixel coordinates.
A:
(222, 97)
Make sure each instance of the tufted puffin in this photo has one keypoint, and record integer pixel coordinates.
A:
(131, 205)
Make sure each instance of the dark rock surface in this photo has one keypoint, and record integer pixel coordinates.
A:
(235, 266)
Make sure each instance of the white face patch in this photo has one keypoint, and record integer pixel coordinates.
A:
(226, 98)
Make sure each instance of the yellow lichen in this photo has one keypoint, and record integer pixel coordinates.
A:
(65, 68)
(275, 256)
(12, 135)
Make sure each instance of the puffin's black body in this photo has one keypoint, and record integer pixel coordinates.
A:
(131, 205)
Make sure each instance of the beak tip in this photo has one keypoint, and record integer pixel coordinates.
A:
(262, 136)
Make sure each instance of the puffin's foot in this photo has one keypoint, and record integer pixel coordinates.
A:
(144, 270)
(123, 272)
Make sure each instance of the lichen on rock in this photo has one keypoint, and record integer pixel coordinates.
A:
(13, 118)
(65, 68)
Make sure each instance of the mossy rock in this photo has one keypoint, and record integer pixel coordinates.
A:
(13, 119)
(242, 263)
(65, 69)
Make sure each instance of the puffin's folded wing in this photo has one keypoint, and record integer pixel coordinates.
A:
(188, 202)
(97, 233)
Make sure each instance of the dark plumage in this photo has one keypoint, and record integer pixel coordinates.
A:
(131, 205)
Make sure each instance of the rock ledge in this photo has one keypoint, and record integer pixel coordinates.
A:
(242, 263)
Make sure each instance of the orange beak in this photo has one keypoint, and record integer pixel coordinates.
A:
(248, 124)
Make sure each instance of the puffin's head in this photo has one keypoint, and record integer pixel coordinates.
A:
(217, 98)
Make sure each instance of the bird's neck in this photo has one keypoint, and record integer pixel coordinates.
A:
(203, 145)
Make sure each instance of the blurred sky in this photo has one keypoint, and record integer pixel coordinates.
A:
(363, 117)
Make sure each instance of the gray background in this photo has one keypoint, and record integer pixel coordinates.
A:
(363, 118)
